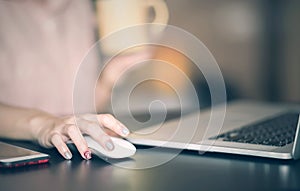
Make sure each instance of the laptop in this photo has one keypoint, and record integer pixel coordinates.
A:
(249, 128)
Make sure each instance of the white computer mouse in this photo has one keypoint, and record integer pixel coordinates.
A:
(123, 148)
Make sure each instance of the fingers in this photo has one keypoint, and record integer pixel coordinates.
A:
(60, 145)
(88, 124)
(76, 136)
(97, 133)
(108, 121)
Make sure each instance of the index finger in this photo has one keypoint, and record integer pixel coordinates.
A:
(76, 136)
(108, 121)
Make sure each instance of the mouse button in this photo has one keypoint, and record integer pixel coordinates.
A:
(122, 148)
(123, 143)
(120, 152)
(94, 145)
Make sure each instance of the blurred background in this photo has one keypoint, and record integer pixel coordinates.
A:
(255, 42)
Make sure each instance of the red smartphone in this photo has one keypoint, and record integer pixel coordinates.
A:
(14, 156)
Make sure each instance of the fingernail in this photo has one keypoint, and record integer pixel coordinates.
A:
(88, 155)
(109, 146)
(68, 155)
(125, 131)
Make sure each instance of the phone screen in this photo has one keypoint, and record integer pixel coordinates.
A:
(11, 155)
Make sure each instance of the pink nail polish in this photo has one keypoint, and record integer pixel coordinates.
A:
(87, 155)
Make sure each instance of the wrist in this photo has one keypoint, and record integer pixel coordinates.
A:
(37, 122)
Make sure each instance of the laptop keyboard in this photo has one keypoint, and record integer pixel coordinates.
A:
(278, 131)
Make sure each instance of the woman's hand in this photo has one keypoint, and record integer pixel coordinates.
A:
(54, 131)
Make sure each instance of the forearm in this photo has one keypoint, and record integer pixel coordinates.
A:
(20, 123)
(50, 131)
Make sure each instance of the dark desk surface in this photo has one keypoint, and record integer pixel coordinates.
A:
(187, 171)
